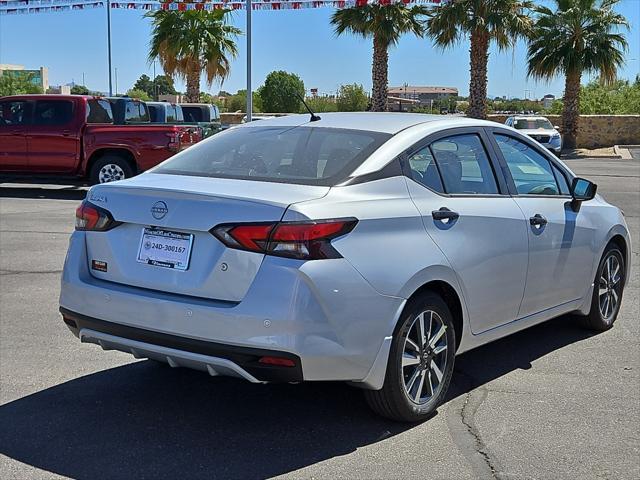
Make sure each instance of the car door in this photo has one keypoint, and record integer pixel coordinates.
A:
(560, 239)
(468, 212)
(14, 124)
(53, 140)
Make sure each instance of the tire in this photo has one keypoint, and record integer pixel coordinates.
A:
(608, 287)
(109, 169)
(402, 397)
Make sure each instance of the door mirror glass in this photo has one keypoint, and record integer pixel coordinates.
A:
(582, 189)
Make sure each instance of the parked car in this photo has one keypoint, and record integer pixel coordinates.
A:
(165, 112)
(129, 111)
(538, 128)
(74, 135)
(370, 248)
(205, 115)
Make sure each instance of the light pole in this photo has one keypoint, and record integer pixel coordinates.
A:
(109, 45)
(249, 92)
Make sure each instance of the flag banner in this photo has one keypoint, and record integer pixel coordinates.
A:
(12, 7)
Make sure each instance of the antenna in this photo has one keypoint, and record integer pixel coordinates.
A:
(314, 117)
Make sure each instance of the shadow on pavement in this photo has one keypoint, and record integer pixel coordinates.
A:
(71, 192)
(146, 420)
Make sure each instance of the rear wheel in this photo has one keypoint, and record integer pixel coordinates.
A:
(109, 169)
(420, 362)
(607, 290)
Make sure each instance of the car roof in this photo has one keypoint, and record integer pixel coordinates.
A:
(384, 122)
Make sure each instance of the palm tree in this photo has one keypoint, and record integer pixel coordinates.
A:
(579, 36)
(192, 41)
(501, 21)
(385, 24)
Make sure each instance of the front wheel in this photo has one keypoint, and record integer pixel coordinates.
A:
(420, 362)
(109, 169)
(607, 290)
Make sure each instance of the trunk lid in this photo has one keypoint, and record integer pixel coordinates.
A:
(187, 208)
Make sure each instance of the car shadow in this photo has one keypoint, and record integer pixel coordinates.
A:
(147, 420)
(66, 192)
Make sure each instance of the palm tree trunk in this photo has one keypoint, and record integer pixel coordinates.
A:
(479, 56)
(571, 109)
(193, 86)
(379, 72)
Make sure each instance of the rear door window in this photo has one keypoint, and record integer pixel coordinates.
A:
(53, 112)
(305, 155)
(99, 111)
(424, 170)
(192, 114)
(464, 165)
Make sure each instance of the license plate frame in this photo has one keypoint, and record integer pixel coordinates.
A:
(165, 256)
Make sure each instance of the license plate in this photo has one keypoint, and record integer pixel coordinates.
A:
(164, 248)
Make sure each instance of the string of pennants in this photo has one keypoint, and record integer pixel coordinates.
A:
(16, 7)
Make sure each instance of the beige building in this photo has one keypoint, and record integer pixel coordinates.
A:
(402, 98)
(39, 77)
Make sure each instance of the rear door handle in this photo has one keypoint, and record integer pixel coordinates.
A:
(537, 220)
(444, 214)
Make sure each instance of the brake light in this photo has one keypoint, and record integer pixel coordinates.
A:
(174, 141)
(90, 217)
(301, 240)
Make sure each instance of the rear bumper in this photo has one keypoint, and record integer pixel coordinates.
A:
(322, 313)
(177, 351)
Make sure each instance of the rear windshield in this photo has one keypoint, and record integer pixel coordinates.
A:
(532, 124)
(306, 155)
(193, 114)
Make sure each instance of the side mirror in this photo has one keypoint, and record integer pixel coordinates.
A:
(556, 127)
(583, 189)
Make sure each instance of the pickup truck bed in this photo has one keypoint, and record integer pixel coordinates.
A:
(74, 135)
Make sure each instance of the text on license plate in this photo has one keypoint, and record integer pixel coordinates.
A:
(164, 248)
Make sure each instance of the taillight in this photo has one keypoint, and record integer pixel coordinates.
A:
(301, 240)
(174, 141)
(90, 217)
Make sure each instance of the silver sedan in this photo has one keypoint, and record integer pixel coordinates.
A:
(369, 248)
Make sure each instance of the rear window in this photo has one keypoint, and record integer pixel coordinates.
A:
(99, 111)
(305, 155)
(154, 113)
(174, 113)
(193, 114)
(136, 112)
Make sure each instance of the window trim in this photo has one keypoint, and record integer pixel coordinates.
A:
(485, 141)
(492, 131)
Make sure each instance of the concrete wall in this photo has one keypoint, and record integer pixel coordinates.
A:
(599, 130)
(594, 130)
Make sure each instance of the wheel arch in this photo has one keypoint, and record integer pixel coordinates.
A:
(123, 153)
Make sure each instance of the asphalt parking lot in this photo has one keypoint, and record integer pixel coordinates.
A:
(552, 402)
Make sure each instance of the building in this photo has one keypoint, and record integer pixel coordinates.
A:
(407, 96)
(39, 77)
(548, 100)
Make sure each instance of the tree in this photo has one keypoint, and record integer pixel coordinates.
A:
(18, 84)
(238, 102)
(79, 90)
(352, 98)
(483, 21)
(385, 24)
(144, 84)
(281, 92)
(193, 41)
(578, 36)
(139, 94)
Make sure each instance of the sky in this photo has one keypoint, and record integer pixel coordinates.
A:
(73, 44)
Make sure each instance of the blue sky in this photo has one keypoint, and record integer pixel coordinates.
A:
(301, 41)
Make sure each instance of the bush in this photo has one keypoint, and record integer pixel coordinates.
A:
(352, 98)
(139, 94)
(320, 104)
(281, 92)
(238, 102)
(18, 84)
(79, 90)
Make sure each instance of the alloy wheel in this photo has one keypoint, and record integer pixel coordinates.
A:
(609, 287)
(424, 357)
(110, 173)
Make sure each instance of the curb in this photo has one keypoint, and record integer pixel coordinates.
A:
(623, 151)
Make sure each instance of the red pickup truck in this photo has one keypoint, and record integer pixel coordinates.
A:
(74, 135)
